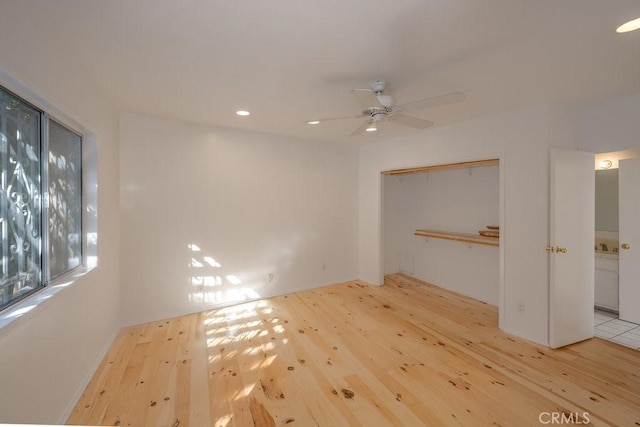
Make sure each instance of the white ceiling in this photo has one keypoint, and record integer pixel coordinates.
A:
(288, 61)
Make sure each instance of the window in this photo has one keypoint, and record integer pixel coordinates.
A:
(40, 199)
(65, 204)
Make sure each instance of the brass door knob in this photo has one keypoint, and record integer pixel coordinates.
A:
(561, 250)
(549, 249)
(625, 246)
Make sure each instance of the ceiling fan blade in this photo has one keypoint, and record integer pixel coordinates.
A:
(436, 101)
(367, 97)
(361, 128)
(329, 119)
(414, 122)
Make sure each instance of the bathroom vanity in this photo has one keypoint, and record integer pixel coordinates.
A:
(606, 280)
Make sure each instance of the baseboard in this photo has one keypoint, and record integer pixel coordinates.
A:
(169, 315)
(87, 378)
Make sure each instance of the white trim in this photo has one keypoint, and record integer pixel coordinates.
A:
(380, 228)
(215, 306)
(87, 378)
(502, 295)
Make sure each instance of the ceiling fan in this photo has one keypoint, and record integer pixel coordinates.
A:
(378, 108)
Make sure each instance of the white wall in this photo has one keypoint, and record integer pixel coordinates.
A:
(463, 200)
(48, 354)
(521, 139)
(610, 126)
(253, 204)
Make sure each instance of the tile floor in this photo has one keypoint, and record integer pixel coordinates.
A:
(607, 326)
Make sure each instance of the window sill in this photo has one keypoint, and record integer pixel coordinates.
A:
(18, 313)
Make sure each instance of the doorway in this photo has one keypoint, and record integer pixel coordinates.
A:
(616, 312)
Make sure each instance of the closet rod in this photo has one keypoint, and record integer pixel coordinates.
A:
(441, 167)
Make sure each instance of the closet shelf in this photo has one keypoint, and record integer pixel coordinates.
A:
(459, 237)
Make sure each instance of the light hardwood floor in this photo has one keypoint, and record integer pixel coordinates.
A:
(404, 354)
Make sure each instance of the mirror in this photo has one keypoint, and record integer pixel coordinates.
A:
(607, 200)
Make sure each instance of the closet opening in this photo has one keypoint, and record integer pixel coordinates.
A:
(441, 224)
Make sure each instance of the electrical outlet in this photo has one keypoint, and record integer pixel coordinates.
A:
(270, 277)
(521, 307)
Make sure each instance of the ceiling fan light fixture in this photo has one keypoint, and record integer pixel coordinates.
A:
(378, 108)
(378, 117)
(629, 26)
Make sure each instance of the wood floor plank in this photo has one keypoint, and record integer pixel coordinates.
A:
(404, 354)
(101, 390)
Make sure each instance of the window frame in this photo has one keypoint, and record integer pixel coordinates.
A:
(8, 311)
(47, 278)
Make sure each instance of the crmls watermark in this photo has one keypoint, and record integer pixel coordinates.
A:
(564, 418)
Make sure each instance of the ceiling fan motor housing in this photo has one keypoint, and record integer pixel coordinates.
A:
(386, 101)
(377, 86)
(379, 107)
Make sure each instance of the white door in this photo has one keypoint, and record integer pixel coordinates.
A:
(629, 256)
(571, 256)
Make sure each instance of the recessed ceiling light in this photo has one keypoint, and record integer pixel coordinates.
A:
(372, 128)
(242, 113)
(313, 122)
(629, 26)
